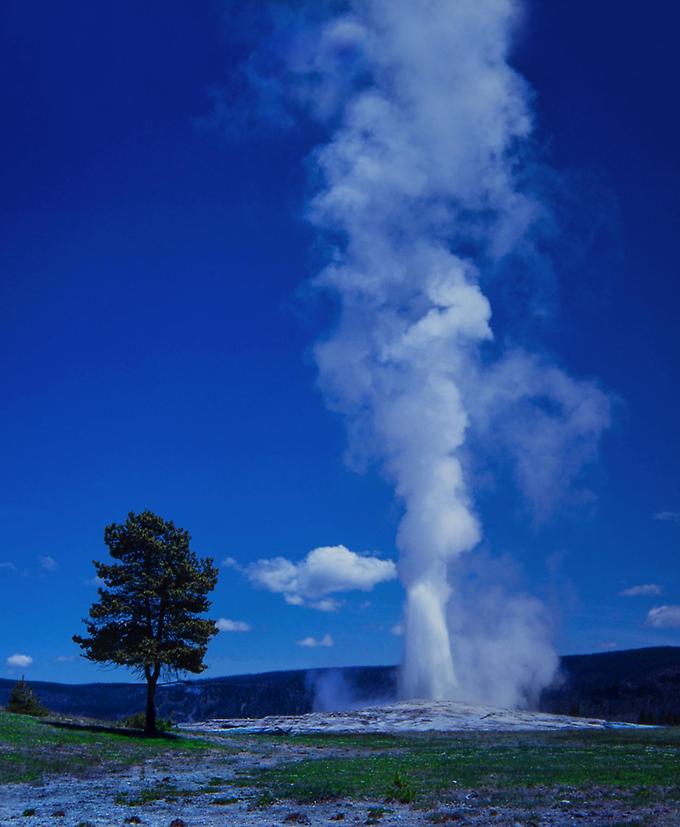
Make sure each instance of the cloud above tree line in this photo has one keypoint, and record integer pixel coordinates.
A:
(313, 643)
(19, 661)
(664, 617)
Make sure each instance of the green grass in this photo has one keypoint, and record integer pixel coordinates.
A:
(29, 749)
(425, 767)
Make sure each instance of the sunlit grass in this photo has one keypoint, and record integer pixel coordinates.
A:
(429, 766)
(30, 749)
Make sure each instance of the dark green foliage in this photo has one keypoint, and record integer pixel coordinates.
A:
(23, 701)
(138, 721)
(401, 790)
(147, 617)
(637, 685)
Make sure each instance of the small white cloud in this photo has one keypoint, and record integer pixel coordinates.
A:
(7, 567)
(19, 661)
(47, 563)
(664, 617)
(607, 645)
(225, 625)
(231, 563)
(327, 604)
(668, 516)
(397, 629)
(310, 642)
(647, 589)
(65, 658)
(313, 643)
(324, 570)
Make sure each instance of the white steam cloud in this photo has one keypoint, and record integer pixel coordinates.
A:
(323, 571)
(503, 648)
(419, 198)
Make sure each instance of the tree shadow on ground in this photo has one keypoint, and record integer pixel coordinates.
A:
(108, 730)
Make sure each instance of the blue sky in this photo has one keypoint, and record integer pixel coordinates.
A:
(156, 336)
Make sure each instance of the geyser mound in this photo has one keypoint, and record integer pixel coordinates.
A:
(406, 716)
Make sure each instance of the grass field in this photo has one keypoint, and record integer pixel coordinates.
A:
(30, 749)
(613, 771)
(425, 767)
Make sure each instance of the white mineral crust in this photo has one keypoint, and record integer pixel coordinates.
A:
(408, 716)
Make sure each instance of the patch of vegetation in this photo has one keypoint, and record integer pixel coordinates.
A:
(23, 701)
(425, 767)
(264, 799)
(156, 792)
(401, 790)
(138, 721)
(374, 814)
(31, 749)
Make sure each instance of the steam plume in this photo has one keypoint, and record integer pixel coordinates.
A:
(418, 200)
(419, 150)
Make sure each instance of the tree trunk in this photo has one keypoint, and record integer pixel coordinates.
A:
(150, 723)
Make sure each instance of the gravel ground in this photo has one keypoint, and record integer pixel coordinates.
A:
(101, 801)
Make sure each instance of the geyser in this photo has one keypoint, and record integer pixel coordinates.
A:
(417, 200)
(420, 167)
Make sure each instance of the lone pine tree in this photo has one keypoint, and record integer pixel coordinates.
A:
(150, 601)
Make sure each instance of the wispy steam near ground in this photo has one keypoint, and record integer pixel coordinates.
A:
(421, 190)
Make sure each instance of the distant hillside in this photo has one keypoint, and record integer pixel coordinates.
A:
(638, 685)
(268, 693)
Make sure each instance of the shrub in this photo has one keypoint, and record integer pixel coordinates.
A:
(23, 701)
(401, 790)
(138, 721)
